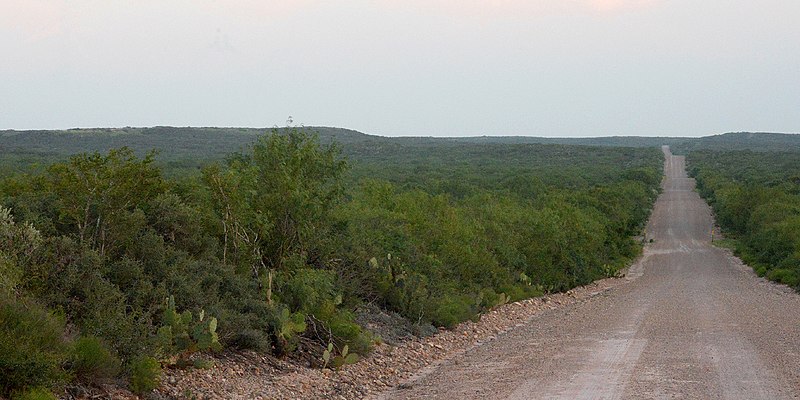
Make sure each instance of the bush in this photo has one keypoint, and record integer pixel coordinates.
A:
(145, 375)
(309, 289)
(343, 329)
(37, 393)
(251, 339)
(784, 276)
(32, 351)
(756, 201)
(451, 310)
(313, 292)
(92, 362)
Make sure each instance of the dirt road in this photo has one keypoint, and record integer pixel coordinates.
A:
(692, 323)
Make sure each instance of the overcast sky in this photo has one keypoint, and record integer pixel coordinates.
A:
(405, 67)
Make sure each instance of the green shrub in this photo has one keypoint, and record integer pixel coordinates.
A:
(242, 313)
(104, 313)
(145, 375)
(756, 201)
(37, 393)
(9, 274)
(451, 310)
(32, 351)
(343, 329)
(308, 289)
(92, 362)
(251, 339)
(521, 292)
(785, 276)
(488, 299)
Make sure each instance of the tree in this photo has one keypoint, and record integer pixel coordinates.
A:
(98, 195)
(274, 204)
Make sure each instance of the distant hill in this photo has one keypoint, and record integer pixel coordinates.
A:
(759, 141)
(612, 141)
(187, 147)
(172, 142)
(727, 141)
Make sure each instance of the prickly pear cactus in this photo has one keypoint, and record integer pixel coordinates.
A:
(346, 358)
(182, 334)
(326, 355)
(205, 335)
(503, 299)
(291, 323)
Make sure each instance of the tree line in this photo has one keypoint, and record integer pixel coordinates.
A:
(756, 199)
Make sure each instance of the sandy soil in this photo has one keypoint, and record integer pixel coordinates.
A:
(692, 322)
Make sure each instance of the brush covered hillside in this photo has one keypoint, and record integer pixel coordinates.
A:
(177, 147)
(190, 148)
(679, 145)
(117, 263)
(741, 141)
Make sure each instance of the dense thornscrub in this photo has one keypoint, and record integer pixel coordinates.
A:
(122, 271)
(756, 198)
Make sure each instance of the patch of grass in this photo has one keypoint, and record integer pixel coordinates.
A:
(37, 393)
(203, 364)
(732, 244)
(785, 276)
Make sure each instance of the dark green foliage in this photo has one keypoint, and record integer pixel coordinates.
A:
(741, 141)
(101, 197)
(315, 293)
(784, 275)
(184, 150)
(273, 204)
(92, 362)
(145, 375)
(445, 252)
(756, 199)
(281, 243)
(32, 350)
(450, 310)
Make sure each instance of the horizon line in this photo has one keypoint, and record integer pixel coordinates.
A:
(474, 136)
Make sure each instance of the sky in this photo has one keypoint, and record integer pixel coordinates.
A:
(398, 68)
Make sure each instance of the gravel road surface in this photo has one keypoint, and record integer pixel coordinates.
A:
(693, 322)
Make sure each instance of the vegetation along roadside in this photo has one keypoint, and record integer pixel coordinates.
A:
(756, 198)
(113, 267)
